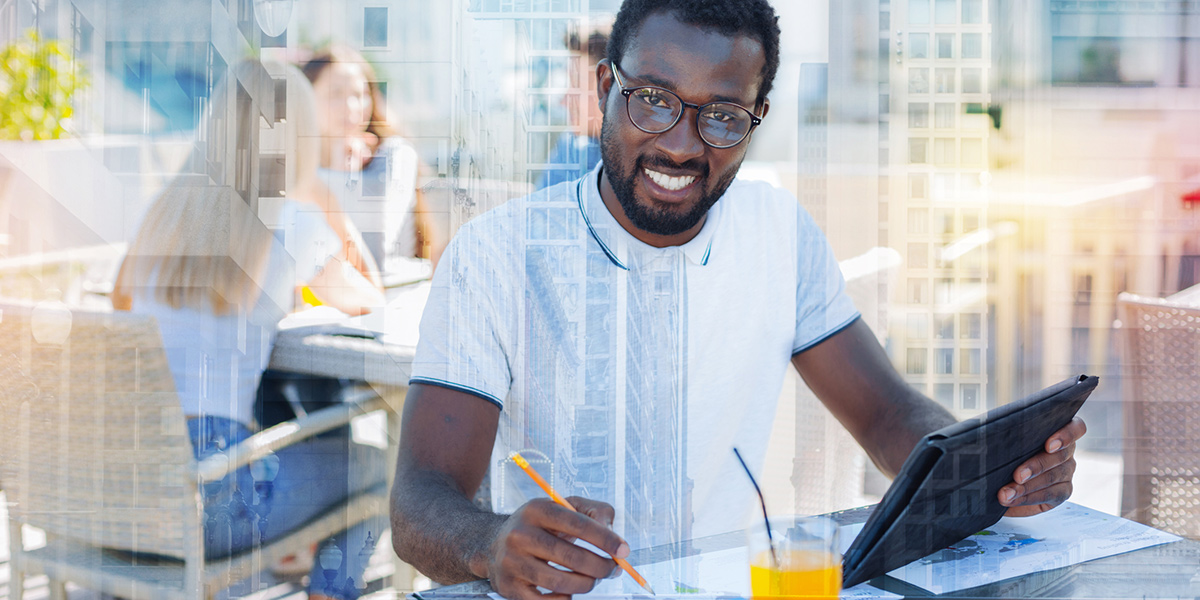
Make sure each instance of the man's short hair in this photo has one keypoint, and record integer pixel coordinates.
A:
(753, 18)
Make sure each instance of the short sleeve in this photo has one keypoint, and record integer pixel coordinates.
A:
(822, 306)
(465, 337)
(308, 239)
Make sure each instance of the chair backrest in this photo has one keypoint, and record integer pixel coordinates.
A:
(93, 443)
(1161, 371)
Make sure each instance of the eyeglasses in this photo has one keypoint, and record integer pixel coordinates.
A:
(656, 110)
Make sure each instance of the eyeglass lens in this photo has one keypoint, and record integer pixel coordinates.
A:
(655, 111)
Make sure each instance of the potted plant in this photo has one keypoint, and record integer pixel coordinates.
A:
(38, 81)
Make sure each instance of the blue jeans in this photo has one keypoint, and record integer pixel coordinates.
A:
(313, 476)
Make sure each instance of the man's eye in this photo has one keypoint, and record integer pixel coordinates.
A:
(719, 116)
(652, 98)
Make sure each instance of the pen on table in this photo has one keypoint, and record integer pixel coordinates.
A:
(524, 464)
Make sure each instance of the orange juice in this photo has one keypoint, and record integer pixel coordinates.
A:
(801, 573)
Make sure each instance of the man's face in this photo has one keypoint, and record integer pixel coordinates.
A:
(663, 184)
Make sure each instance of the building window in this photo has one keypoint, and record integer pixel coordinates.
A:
(972, 45)
(915, 361)
(918, 12)
(944, 394)
(943, 327)
(970, 396)
(918, 81)
(918, 151)
(943, 115)
(972, 152)
(375, 27)
(918, 45)
(918, 221)
(918, 115)
(944, 80)
(943, 291)
(970, 361)
(972, 81)
(970, 220)
(918, 326)
(918, 185)
(972, 12)
(971, 326)
(945, 45)
(943, 361)
(945, 12)
(918, 291)
(943, 152)
(918, 255)
(944, 219)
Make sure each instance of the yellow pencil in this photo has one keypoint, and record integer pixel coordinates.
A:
(524, 464)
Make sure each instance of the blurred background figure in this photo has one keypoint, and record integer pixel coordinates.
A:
(574, 154)
(218, 282)
(372, 171)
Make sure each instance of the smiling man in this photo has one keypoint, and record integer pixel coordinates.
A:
(626, 330)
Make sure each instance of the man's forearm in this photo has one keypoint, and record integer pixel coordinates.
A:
(438, 530)
(909, 418)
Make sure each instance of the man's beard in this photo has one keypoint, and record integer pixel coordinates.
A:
(644, 216)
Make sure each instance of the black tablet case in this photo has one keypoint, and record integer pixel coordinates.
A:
(948, 486)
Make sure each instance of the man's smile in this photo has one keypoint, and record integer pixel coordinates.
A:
(668, 182)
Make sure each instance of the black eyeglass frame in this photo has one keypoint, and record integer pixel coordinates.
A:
(755, 120)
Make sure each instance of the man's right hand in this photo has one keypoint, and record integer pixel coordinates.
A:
(541, 532)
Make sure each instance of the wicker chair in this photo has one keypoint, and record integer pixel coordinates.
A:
(94, 450)
(1161, 371)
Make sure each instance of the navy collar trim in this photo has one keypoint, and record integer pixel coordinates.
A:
(612, 256)
(607, 252)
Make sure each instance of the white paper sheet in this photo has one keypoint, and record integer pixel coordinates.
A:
(1067, 535)
(722, 574)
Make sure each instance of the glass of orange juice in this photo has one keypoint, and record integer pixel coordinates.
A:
(805, 563)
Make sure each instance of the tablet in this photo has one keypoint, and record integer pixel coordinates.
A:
(948, 486)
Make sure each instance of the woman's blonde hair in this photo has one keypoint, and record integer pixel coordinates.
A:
(201, 245)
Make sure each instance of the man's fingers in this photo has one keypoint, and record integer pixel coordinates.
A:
(600, 511)
(541, 574)
(1045, 488)
(578, 525)
(1043, 463)
(550, 547)
(1066, 436)
(1042, 500)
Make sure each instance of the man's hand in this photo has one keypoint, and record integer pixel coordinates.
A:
(1044, 481)
(542, 532)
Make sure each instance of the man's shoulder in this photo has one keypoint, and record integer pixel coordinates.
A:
(509, 217)
(756, 199)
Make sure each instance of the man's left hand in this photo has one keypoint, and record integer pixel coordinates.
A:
(1044, 481)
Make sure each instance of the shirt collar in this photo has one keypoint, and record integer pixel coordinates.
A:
(698, 250)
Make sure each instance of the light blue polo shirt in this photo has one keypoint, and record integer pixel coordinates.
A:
(627, 373)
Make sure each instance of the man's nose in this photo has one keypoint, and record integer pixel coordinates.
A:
(682, 142)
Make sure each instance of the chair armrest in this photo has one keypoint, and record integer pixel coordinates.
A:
(217, 466)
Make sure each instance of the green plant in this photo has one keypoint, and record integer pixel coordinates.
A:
(38, 81)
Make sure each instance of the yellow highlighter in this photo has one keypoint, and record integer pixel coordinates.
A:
(524, 464)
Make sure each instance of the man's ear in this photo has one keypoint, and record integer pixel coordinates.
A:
(766, 108)
(604, 82)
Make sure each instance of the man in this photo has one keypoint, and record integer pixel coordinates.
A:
(633, 326)
(582, 152)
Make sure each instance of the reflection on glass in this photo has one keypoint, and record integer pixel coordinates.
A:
(918, 45)
(918, 12)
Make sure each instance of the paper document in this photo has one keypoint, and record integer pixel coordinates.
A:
(1067, 535)
(721, 574)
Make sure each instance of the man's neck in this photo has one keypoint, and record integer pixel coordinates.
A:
(609, 196)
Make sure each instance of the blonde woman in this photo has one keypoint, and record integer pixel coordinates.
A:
(218, 281)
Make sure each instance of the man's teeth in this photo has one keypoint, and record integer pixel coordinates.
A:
(668, 182)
